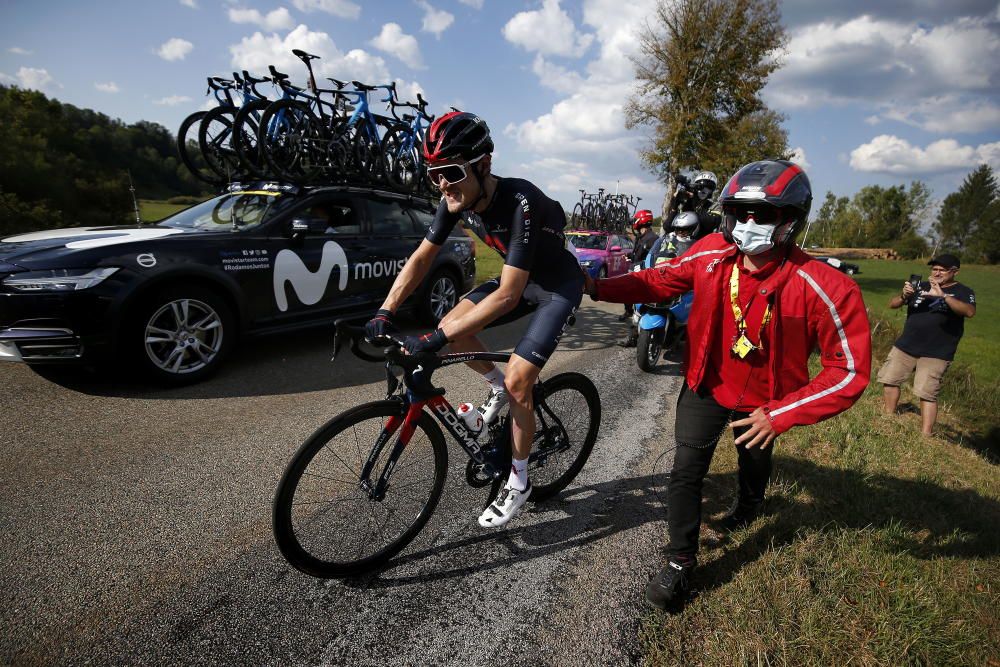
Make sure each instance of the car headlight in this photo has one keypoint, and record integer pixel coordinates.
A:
(58, 280)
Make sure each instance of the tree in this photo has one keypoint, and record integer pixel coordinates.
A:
(969, 218)
(700, 71)
(876, 217)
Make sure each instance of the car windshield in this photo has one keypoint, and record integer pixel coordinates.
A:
(589, 241)
(245, 209)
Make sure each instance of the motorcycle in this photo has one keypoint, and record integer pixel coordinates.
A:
(660, 326)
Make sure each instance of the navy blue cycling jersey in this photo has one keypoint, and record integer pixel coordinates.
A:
(523, 225)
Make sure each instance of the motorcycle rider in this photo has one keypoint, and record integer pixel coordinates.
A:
(761, 306)
(679, 240)
(696, 196)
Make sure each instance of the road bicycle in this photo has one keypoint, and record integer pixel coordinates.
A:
(401, 146)
(188, 148)
(220, 131)
(365, 483)
(299, 139)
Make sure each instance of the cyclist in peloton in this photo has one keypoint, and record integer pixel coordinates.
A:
(539, 275)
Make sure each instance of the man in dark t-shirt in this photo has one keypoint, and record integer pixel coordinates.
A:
(935, 321)
(540, 276)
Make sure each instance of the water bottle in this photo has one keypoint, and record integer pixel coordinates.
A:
(472, 418)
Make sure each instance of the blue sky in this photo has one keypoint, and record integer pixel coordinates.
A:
(883, 92)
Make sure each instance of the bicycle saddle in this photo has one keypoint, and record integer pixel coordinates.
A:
(362, 86)
(299, 53)
(278, 76)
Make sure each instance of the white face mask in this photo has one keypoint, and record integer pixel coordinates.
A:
(752, 238)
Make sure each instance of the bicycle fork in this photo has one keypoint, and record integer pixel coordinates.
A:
(409, 425)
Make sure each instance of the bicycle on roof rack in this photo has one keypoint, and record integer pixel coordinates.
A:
(362, 487)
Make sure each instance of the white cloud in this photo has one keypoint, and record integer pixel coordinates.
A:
(172, 100)
(258, 51)
(18, 51)
(174, 49)
(34, 78)
(582, 138)
(190, 3)
(549, 31)
(395, 42)
(436, 20)
(109, 87)
(475, 4)
(340, 8)
(890, 65)
(7, 78)
(555, 77)
(278, 19)
(947, 114)
(889, 154)
(799, 157)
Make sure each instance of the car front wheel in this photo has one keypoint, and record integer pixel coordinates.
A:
(441, 295)
(182, 335)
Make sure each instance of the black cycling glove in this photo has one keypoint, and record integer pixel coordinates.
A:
(431, 342)
(381, 325)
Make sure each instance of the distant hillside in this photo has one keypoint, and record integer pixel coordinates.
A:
(61, 165)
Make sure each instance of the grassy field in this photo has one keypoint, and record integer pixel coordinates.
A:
(152, 210)
(878, 546)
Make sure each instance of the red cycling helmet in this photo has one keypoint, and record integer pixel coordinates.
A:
(643, 218)
(776, 192)
(457, 134)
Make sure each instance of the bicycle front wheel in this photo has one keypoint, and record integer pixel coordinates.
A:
(326, 524)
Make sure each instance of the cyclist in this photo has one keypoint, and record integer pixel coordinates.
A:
(642, 227)
(540, 275)
(761, 306)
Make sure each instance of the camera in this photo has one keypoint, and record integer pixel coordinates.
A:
(915, 281)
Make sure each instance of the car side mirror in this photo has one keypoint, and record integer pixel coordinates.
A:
(616, 248)
(302, 227)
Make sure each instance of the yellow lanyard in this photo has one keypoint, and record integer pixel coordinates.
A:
(742, 345)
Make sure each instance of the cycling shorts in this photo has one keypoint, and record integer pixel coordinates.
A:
(552, 311)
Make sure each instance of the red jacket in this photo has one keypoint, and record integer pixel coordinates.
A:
(814, 306)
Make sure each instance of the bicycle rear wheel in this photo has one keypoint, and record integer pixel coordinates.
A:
(189, 152)
(215, 135)
(325, 524)
(245, 132)
(291, 141)
(567, 419)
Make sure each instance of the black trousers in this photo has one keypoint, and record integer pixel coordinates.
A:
(700, 423)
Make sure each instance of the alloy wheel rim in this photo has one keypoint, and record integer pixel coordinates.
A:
(183, 336)
(442, 297)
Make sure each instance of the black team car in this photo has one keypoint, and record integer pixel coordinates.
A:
(172, 298)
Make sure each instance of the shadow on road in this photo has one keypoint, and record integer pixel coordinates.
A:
(300, 362)
(936, 521)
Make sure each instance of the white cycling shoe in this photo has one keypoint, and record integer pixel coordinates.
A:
(507, 505)
(495, 402)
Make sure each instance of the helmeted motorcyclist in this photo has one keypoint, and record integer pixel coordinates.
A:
(695, 195)
(761, 307)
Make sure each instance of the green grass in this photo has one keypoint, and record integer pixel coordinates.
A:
(489, 263)
(152, 210)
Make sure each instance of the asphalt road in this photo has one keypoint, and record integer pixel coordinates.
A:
(136, 523)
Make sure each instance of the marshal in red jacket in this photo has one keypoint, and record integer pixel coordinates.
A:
(814, 307)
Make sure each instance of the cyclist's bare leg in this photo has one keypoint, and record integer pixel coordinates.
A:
(521, 378)
(469, 343)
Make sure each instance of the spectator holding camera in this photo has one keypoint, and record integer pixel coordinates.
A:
(935, 321)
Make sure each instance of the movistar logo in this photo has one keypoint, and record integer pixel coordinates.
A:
(309, 287)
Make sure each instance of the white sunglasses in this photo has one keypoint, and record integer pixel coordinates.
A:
(453, 173)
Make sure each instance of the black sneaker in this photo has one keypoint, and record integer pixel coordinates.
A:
(669, 589)
(741, 516)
